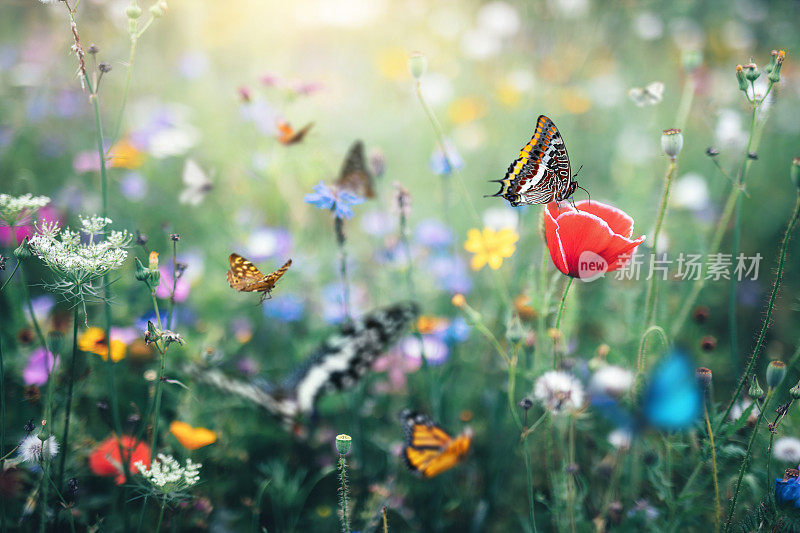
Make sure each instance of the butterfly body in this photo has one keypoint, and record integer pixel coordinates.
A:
(244, 276)
(650, 95)
(355, 175)
(430, 450)
(288, 135)
(541, 173)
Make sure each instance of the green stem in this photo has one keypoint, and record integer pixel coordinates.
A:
(745, 462)
(558, 320)
(717, 508)
(68, 408)
(257, 508)
(11, 276)
(131, 57)
(650, 301)
(768, 316)
(64, 503)
(174, 283)
(571, 476)
(662, 335)
(345, 518)
(161, 516)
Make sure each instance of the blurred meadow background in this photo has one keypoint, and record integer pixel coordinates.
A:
(197, 121)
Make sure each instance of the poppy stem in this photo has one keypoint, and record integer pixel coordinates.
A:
(717, 509)
(558, 321)
(770, 306)
(650, 300)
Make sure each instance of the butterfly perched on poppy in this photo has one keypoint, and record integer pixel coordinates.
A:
(671, 401)
(430, 450)
(541, 174)
(355, 175)
(244, 276)
(287, 135)
(337, 364)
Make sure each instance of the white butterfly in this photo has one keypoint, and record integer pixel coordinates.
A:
(196, 183)
(650, 95)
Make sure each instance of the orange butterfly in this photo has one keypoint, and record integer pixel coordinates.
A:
(287, 135)
(245, 277)
(430, 450)
(355, 176)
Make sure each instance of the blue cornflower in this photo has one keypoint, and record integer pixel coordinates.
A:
(338, 201)
(787, 489)
(441, 165)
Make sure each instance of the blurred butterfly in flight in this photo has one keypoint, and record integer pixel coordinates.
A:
(650, 95)
(245, 277)
(671, 401)
(337, 364)
(287, 135)
(196, 184)
(430, 450)
(541, 173)
(355, 175)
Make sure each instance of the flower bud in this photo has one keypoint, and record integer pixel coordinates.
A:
(417, 64)
(526, 403)
(133, 11)
(775, 75)
(773, 56)
(672, 142)
(141, 273)
(23, 251)
(794, 172)
(741, 78)
(514, 330)
(794, 392)
(153, 260)
(755, 391)
(343, 443)
(751, 72)
(776, 371)
(703, 376)
(158, 10)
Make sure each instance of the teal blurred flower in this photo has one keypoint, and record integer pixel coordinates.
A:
(340, 202)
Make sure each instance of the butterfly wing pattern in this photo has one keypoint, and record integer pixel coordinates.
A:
(672, 400)
(541, 174)
(355, 176)
(336, 365)
(288, 135)
(430, 450)
(244, 276)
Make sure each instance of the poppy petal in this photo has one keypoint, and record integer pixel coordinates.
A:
(579, 232)
(619, 221)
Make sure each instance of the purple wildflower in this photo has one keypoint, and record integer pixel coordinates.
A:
(433, 234)
(436, 351)
(38, 368)
(439, 163)
(338, 201)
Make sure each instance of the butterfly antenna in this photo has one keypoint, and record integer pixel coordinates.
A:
(587, 192)
(576, 173)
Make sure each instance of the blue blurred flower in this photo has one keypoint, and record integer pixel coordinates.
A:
(439, 163)
(451, 274)
(456, 331)
(432, 233)
(133, 186)
(436, 351)
(141, 322)
(285, 308)
(787, 490)
(339, 202)
(378, 223)
(265, 243)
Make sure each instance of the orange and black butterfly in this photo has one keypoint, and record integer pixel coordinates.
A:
(287, 135)
(355, 175)
(245, 277)
(429, 449)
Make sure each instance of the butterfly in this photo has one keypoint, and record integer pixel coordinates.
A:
(430, 450)
(355, 175)
(541, 173)
(196, 184)
(671, 401)
(245, 277)
(650, 95)
(337, 364)
(287, 135)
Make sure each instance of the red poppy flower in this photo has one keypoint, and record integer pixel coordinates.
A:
(588, 241)
(105, 459)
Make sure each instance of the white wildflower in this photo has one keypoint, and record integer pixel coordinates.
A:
(168, 476)
(15, 209)
(787, 449)
(559, 391)
(739, 408)
(611, 380)
(33, 450)
(620, 439)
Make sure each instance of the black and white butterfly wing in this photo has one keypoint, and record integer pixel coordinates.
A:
(196, 184)
(645, 96)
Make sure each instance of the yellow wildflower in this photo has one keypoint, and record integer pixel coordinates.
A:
(125, 155)
(93, 340)
(466, 109)
(490, 246)
(190, 437)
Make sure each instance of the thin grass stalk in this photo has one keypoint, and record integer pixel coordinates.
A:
(558, 321)
(650, 300)
(68, 407)
(717, 507)
(174, 283)
(768, 316)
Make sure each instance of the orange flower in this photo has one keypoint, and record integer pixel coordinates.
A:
(427, 324)
(93, 340)
(125, 155)
(105, 458)
(190, 437)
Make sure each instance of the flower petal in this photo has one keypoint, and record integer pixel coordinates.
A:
(579, 232)
(552, 238)
(619, 221)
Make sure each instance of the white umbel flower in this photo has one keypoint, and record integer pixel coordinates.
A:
(787, 449)
(559, 392)
(33, 450)
(611, 380)
(14, 209)
(167, 475)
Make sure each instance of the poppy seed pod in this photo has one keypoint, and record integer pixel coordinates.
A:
(672, 142)
(343, 443)
(776, 371)
(794, 392)
(417, 64)
(703, 376)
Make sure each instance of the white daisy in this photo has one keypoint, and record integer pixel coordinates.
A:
(559, 392)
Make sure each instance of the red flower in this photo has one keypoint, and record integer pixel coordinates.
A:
(590, 240)
(105, 459)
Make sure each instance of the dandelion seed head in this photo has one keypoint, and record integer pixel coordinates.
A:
(787, 449)
(620, 439)
(559, 391)
(611, 380)
(33, 450)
